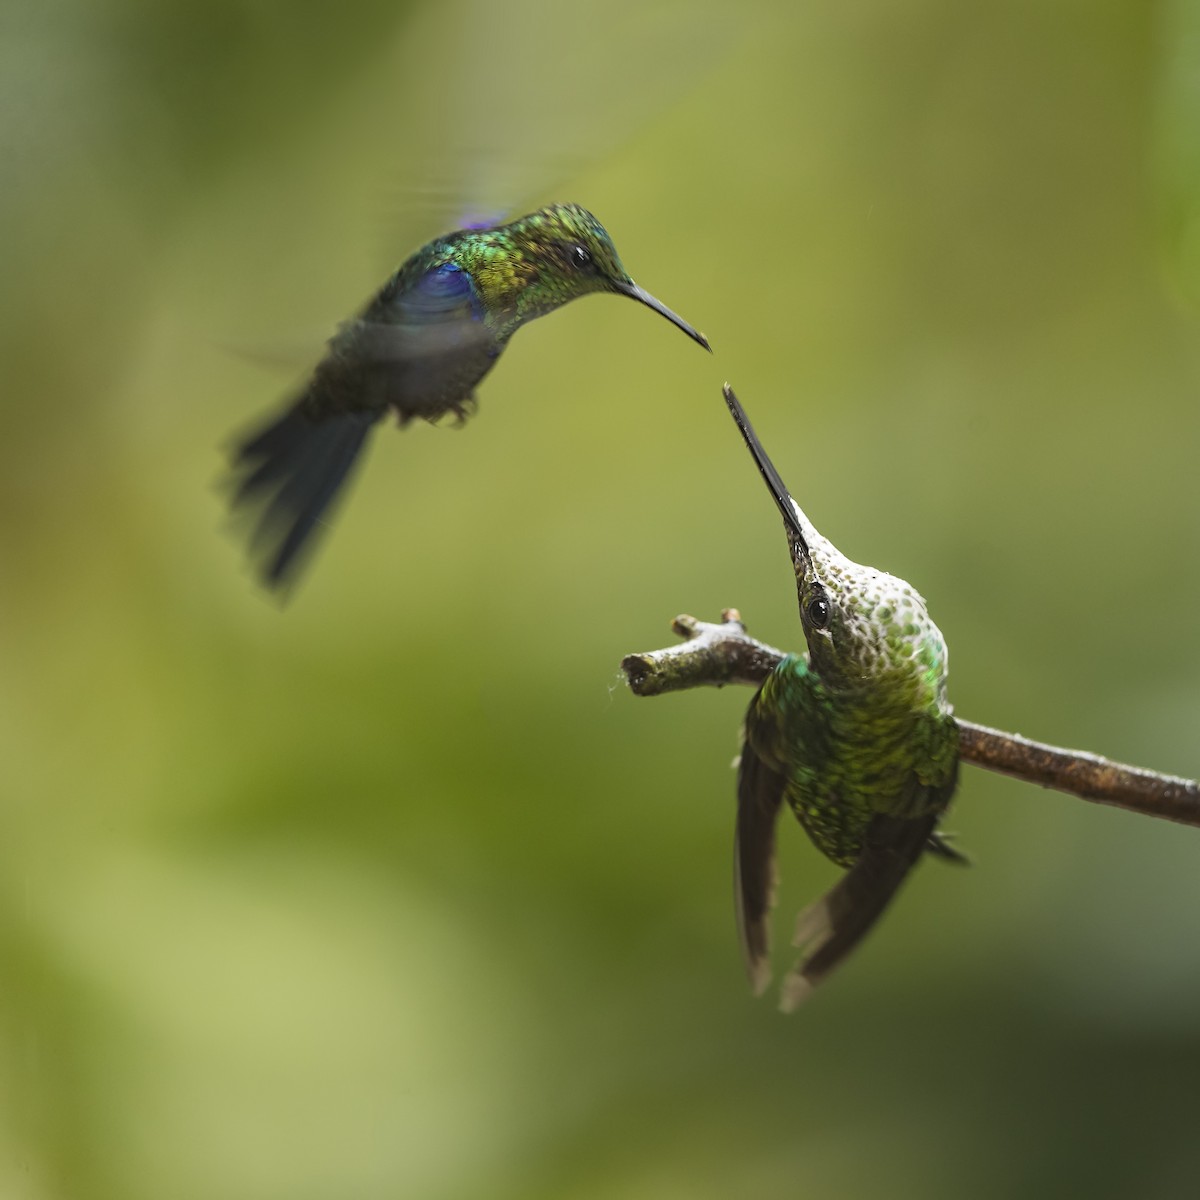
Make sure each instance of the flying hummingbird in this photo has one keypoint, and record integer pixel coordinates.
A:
(418, 349)
(856, 736)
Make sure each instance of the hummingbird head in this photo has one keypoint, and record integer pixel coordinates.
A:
(541, 262)
(861, 624)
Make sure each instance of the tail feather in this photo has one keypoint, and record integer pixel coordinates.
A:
(832, 927)
(286, 476)
(268, 457)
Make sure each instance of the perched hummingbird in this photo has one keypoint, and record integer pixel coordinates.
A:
(856, 736)
(418, 349)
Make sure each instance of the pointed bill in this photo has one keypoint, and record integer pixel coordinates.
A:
(783, 499)
(631, 289)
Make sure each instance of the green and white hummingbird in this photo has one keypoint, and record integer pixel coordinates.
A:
(856, 737)
(418, 349)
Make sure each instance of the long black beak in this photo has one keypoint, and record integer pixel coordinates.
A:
(783, 499)
(631, 289)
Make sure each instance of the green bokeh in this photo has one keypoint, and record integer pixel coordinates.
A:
(398, 892)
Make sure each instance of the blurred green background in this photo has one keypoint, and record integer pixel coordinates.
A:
(398, 892)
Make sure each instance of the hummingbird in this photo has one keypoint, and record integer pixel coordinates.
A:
(419, 348)
(856, 736)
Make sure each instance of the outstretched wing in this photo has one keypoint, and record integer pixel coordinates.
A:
(759, 798)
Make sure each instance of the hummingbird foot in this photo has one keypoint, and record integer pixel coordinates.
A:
(462, 409)
(941, 845)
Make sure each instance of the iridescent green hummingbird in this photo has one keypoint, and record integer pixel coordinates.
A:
(856, 736)
(418, 349)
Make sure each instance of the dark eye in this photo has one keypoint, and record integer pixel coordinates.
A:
(818, 611)
(579, 257)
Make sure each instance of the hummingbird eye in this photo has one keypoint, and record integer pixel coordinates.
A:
(818, 611)
(580, 257)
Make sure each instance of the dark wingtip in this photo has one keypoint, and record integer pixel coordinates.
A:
(760, 793)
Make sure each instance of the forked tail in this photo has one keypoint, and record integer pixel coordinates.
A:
(285, 478)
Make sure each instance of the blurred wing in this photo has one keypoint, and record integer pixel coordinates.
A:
(531, 94)
(414, 305)
(421, 323)
(832, 927)
(1176, 118)
(443, 293)
(759, 799)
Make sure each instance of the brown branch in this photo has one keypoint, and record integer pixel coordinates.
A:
(1087, 776)
(716, 654)
(711, 655)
